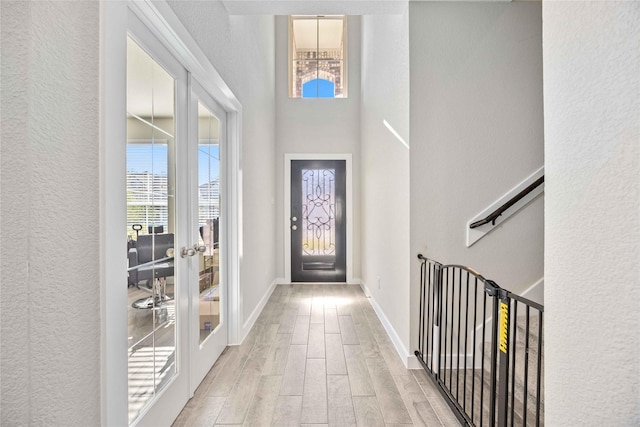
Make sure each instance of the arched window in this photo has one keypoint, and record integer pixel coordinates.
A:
(317, 55)
(319, 88)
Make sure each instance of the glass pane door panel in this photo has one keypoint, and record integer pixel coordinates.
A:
(209, 221)
(150, 230)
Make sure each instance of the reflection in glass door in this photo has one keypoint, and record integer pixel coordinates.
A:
(151, 226)
(208, 221)
(208, 291)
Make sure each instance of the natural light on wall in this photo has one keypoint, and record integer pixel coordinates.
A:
(394, 133)
(317, 56)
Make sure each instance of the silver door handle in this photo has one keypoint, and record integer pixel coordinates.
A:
(185, 252)
(200, 248)
(294, 227)
(294, 219)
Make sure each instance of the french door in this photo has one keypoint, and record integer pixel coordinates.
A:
(209, 325)
(318, 221)
(176, 238)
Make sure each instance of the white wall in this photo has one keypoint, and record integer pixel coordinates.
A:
(50, 302)
(592, 236)
(385, 167)
(241, 48)
(317, 126)
(476, 132)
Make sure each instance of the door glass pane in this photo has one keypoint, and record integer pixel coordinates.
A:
(209, 221)
(150, 227)
(318, 212)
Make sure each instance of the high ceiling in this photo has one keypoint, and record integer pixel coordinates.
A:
(314, 7)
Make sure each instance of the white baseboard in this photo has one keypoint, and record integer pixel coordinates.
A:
(409, 360)
(256, 311)
(283, 281)
(413, 362)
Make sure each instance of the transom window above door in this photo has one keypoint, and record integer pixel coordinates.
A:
(317, 56)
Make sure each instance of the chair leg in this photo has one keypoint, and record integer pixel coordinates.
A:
(158, 295)
(161, 286)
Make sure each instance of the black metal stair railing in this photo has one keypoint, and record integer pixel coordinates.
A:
(482, 345)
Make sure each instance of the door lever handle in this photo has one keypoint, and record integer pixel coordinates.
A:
(185, 252)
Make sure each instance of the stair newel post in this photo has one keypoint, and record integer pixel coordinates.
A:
(493, 290)
(503, 377)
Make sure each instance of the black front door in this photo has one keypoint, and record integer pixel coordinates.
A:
(318, 221)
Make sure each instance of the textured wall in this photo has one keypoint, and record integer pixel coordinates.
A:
(476, 132)
(317, 126)
(50, 316)
(385, 166)
(241, 48)
(592, 236)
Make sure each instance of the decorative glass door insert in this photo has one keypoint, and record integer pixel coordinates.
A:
(318, 226)
(318, 212)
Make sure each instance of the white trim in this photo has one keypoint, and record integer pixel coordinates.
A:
(413, 362)
(166, 26)
(475, 234)
(234, 150)
(113, 266)
(288, 157)
(408, 360)
(246, 328)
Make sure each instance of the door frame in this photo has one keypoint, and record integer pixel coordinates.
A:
(170, 33)
(288, 157)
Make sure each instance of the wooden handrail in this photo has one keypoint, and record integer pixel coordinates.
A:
(493, 216)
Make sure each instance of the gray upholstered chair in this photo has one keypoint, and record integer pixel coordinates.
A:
(150, 263)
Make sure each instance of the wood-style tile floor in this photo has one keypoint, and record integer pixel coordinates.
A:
(317, 355)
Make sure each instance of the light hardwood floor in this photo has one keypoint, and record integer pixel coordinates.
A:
(317, 355)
